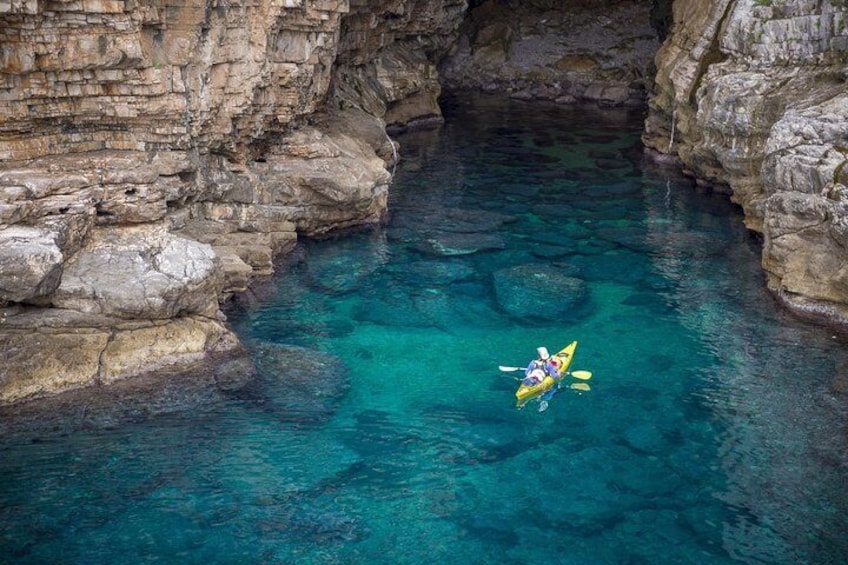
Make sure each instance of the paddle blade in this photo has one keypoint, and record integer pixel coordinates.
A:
(583, 387)
(509, 369)
(584, 375)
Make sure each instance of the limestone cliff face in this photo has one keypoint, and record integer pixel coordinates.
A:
(156, 155)
(752, 95)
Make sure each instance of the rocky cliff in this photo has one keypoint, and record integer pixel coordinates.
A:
(751, 95)
(155, 155)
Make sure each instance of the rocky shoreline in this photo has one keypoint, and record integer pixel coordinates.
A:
(157, 159)
(154, 160)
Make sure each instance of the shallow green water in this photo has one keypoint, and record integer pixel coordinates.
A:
(710, 433)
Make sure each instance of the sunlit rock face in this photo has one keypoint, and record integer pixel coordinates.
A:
(156, 156)
(751, 95)
(562, 51)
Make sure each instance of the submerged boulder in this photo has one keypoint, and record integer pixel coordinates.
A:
(538, 291)
(296, 384)
(453, 244)
(438, 272)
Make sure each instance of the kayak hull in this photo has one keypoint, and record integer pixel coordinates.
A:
(526, 393)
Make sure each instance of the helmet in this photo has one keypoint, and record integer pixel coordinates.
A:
(543, 353)
(538, 374)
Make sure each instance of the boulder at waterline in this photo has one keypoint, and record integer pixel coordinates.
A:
(198, 392)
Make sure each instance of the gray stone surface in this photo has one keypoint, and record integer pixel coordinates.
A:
(751, 96)
(30, 264)
(536, 292)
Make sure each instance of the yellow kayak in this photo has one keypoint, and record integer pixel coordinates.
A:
(561, 360)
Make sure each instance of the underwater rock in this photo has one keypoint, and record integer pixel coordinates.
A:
(384, 310)
(659, 531)
(611, 164)
(616, 265)
(631, 239)
(552, 251)
(439, 272)
(302, 518)
(298, 385)
(645, 438)
(451, 244)
(470, 221)
(538, 291)
(344, 266)
(234, 374)
(839, 383)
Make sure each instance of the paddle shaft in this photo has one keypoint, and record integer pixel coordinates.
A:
(583, 375)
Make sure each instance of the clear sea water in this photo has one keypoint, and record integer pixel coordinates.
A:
(378, 428)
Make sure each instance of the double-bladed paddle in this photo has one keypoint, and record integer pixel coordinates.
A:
(583, 375)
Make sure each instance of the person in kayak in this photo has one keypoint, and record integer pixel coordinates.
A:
(538, 368)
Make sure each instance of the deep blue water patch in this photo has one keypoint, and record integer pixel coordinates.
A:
(370, 423)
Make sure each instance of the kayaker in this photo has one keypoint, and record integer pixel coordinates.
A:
(538, 368)
(534, 377)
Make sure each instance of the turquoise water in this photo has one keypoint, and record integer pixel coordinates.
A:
(378, 429)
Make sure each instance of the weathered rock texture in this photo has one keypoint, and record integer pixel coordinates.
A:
(752, 95)
(552, 50)
(154, 156)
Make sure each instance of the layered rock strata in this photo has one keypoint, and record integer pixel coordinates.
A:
(154, 156)
(751, 95)
(388, 56)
